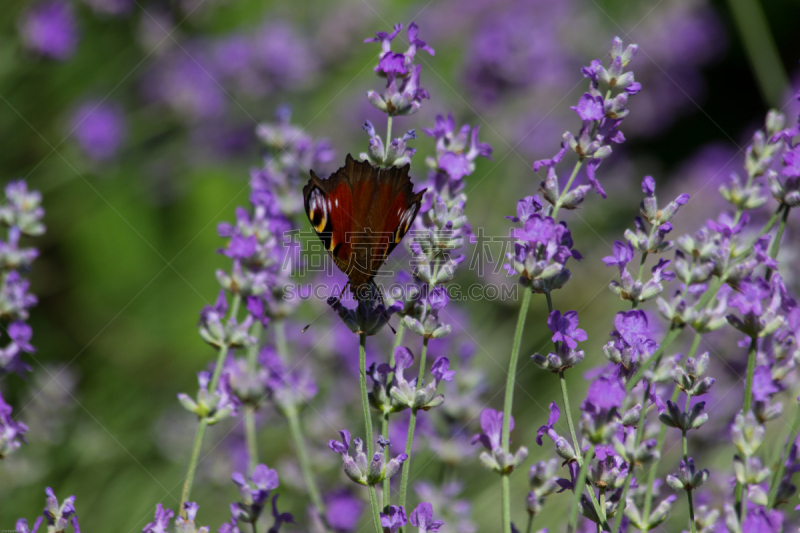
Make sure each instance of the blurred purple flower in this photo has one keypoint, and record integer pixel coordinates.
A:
(49, 29)
(100, 129)
(343, 511)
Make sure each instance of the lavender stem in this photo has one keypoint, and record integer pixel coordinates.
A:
(412, 422)
(781, 464)
(362, 380)
(387, 486)
(509, 401)
(201, 427)
(575, 170)
(579, 487)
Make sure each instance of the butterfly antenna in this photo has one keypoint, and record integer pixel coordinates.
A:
(338, 298)
(385, 314)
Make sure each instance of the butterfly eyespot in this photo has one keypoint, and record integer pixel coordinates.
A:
(318, 210)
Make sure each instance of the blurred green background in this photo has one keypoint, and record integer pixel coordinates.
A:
(130, 252)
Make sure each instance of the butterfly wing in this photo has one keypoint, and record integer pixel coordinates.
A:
(361, 213)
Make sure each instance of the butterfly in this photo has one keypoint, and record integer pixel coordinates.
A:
(361, 213)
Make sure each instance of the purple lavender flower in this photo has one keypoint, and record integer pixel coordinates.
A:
(58, 516)
(763, 384)
(403, 95)
(622, 255)
(547, 429)
(49, 29)
(187, 525)
(160, 524)
(22, 214)
(605, 393)
(601, 117)
(526, 208)
(631, 338)
(540, 253)
(750, 295)
(360, 469)
(422, 517)
(11, 432)
(255, 490)
(99, 128)
(495, 458)
(762, 520)
(791, 163)
(394, 519)
(565, 328)
(492, 426)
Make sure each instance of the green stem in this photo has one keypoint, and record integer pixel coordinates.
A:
(250, 408)
(740, 492)
(509, 401)
(305, 463)
(691, 511)
(780, 467)
(387, 485)
(193, 460)
(530, 524)
(671, 335)
(743, 503)
(512, 371)
(388, 136)
(412, 422)
(651, 477)
(201, 428)
(632, 466)
(376, 513)
(776, 243)
(506, 483)
(575, 170)
(280, 340)
(762, 52)
(362, 380)
(250, 435)
(568, 413)
(751, 367)
(579, 487)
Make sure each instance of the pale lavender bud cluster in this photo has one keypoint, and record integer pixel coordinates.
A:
(566, 336)
(494, 457)
(403, 394)
(403, 94)
(213, 406)
(57, 516)
(602, 114)
(421, 517)
(360, 468)
(541, 249)
(255, 492)
(160, 523)
(397, 154)
(12, 433)
(22, 214)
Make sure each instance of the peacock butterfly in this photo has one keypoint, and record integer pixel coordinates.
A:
(361, 213)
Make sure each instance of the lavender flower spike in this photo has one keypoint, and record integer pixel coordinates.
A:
(11, 432)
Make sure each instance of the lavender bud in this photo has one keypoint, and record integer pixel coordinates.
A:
(378, 101)
(747, 434)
